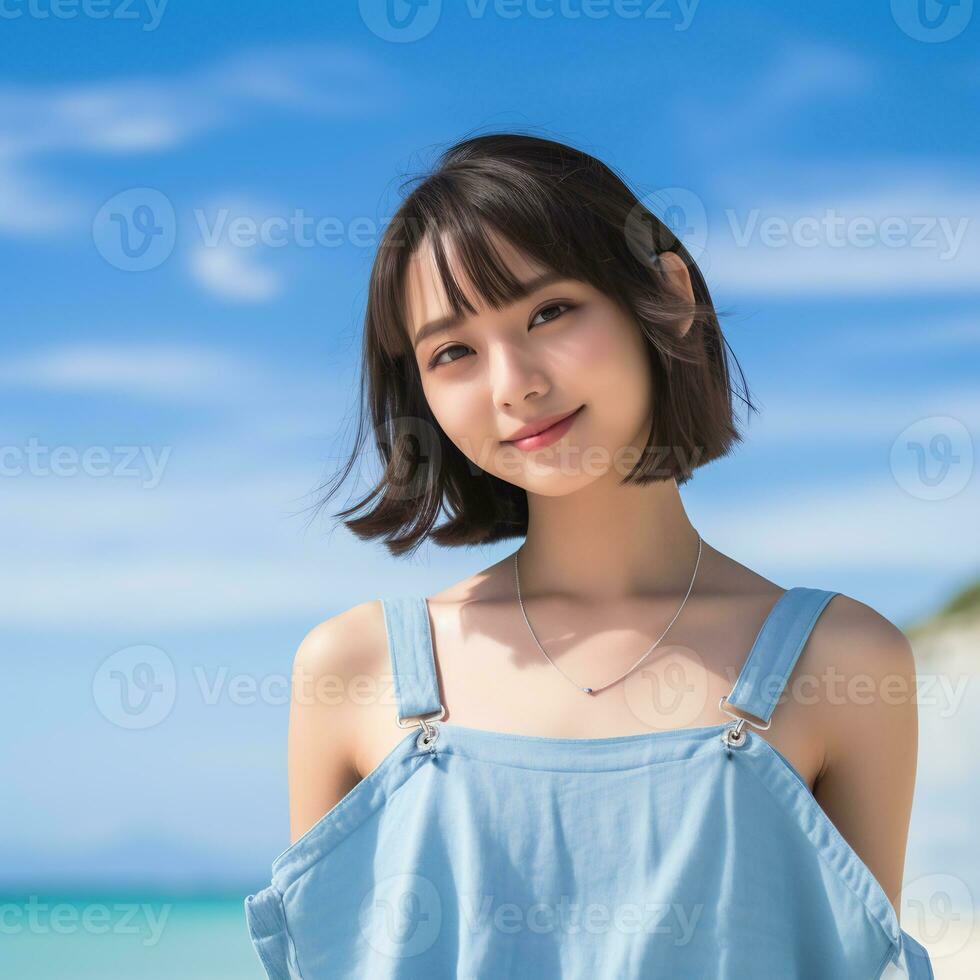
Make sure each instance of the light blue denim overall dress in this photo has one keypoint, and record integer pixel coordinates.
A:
(693, 853)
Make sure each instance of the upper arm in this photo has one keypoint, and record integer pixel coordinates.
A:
(871, 739)
(320, 744)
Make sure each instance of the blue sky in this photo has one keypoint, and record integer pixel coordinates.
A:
(821, 162)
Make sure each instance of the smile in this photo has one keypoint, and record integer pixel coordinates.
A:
(547, 436)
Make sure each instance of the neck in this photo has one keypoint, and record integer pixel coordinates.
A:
(607, 542)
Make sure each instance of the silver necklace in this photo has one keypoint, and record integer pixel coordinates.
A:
(595, 690)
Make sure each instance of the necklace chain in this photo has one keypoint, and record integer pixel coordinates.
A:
(595, 690)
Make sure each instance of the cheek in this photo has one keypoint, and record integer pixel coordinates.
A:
(612, 360)
(619, 386)
(461, 412)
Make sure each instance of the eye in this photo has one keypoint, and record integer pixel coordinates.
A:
(436, 360)
(553, 306)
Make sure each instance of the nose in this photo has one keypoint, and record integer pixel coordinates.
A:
(515, 377)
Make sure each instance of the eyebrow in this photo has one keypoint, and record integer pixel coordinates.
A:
(447, 323)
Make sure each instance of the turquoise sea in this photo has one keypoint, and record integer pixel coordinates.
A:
(150, 937)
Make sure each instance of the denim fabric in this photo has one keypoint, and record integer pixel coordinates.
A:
(673, 854)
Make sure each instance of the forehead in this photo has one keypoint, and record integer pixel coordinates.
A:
(425, 298)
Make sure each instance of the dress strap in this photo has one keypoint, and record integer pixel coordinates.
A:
(776, 649)
(412, 659)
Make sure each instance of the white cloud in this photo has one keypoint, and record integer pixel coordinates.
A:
(258, 403)
(870, 526)
(924, 223)
(854, 417)
(208, 545)
(234, 273)
(928, 335)
(149, 114)
(139, 114)
(157, 370)
(882, 235)
(31, 207)
(801, 72)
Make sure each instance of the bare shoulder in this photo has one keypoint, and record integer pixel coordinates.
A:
(855, 647)
(866, 687)
(332, 664)
(337, 671)
(849, 616)
(860, 670)
(347, 644)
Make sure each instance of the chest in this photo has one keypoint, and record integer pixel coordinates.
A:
(503, 683)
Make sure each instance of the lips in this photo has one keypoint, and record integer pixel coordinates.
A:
(544, 431)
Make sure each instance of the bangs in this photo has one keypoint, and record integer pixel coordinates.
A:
(453, 223)
(482, 265)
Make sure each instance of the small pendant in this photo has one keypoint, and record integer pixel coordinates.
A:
(588, 690)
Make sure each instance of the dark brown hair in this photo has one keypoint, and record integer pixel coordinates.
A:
(569, 212)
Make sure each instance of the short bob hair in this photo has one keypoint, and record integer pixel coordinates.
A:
(571, 213)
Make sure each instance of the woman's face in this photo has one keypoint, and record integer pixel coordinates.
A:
(565, 347)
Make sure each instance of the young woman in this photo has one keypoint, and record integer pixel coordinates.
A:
(617, 752)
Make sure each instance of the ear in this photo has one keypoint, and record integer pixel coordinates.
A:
(678, 279)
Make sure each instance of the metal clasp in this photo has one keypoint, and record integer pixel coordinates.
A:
(734, 734)
(429, 732)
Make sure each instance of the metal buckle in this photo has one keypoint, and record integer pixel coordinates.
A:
(741, 720)
(429, 734)
(734, 735)
(423, 720)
